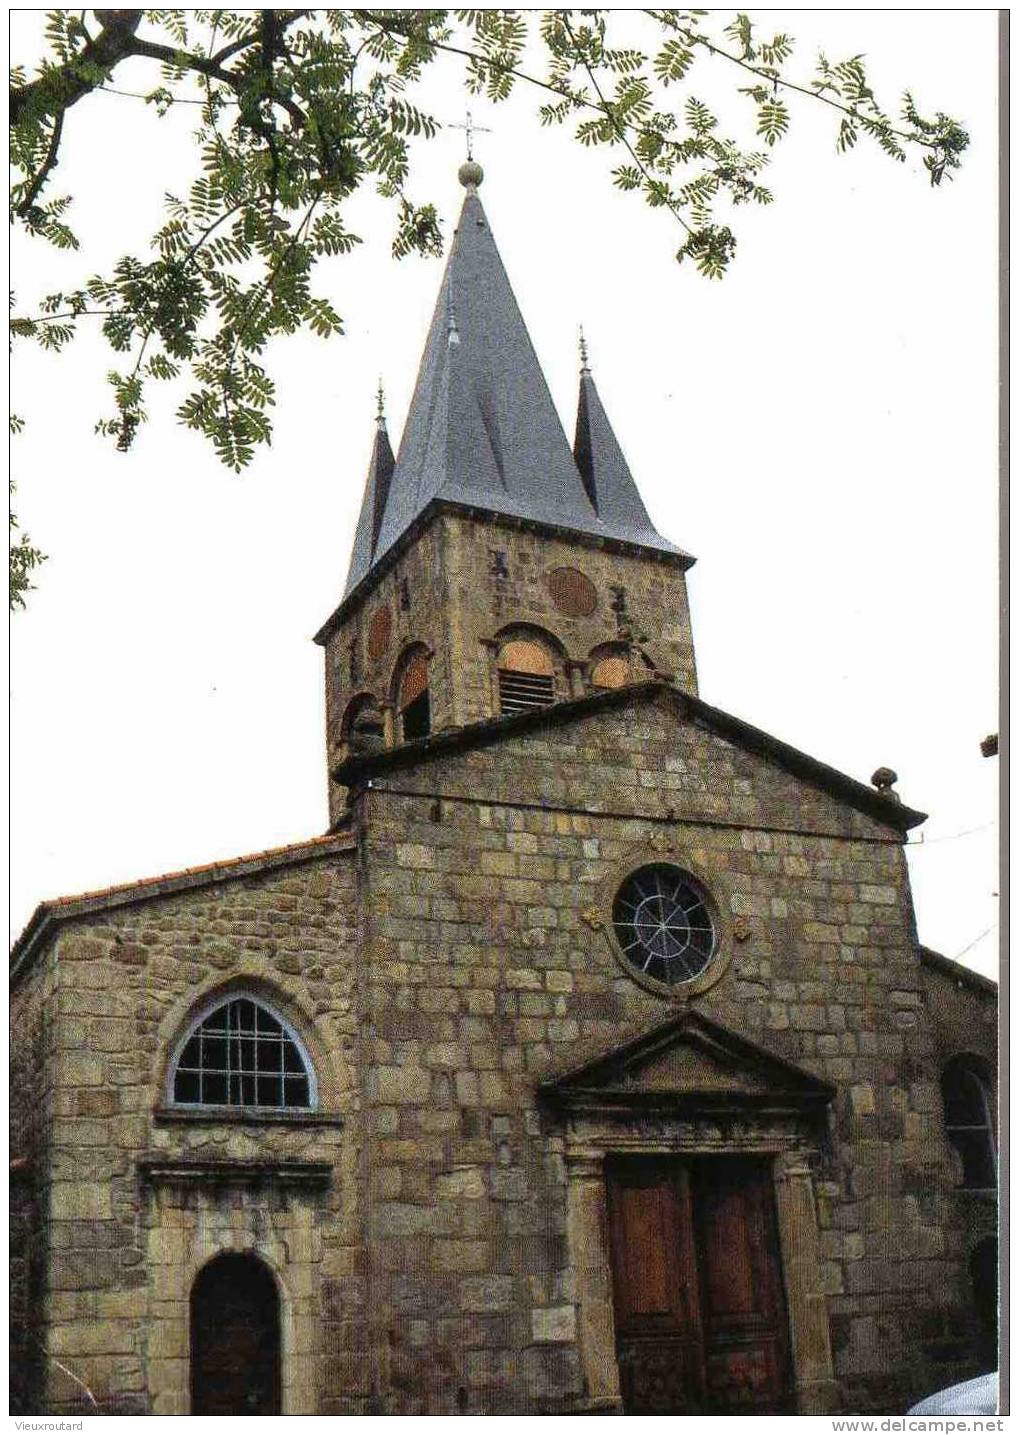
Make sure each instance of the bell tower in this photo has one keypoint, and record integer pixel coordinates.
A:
(494, 568)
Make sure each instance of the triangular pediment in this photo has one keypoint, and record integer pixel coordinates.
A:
(768, 763)
(688, 1063)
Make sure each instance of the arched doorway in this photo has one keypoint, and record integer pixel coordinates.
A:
(235, 1339)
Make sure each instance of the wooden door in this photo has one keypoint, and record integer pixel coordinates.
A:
(235, 1339)
(700, 1313)
(659, 1342)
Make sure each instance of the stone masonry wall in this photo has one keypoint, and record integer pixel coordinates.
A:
(124, 1250)
(492, 966)
(414, 593)
(498, 577)
(31, 1114)
(463, 581)
(965, 1022)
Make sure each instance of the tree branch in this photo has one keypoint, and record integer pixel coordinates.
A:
(117, 41)
(57, 90)
(621, 129)
(771, 77)
(42, 174)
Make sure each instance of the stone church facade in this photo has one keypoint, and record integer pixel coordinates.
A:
(588, 1063)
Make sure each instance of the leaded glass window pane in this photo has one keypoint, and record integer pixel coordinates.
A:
(663, 924)
(241, 1055)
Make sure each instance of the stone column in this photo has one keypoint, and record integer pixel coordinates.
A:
(816, 1390)
(587, 1230)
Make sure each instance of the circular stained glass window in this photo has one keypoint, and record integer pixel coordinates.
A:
(663, 924)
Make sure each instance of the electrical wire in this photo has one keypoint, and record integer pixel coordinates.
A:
(951, 836)
(987, 931)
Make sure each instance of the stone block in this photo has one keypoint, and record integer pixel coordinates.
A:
(861, 1099)
(879, 896)
(462, 1183)
(81, 1068)
(554, 1324)
(400, 1085)
(459, 1256)
(80, 1201)
(486, 1293)
(523, 978)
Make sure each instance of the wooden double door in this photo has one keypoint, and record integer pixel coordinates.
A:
(701, 1323)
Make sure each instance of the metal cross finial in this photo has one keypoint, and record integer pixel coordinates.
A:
(469, 129)
(380, 402)
(584, 366)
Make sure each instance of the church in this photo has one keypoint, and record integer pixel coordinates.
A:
(589, 1063)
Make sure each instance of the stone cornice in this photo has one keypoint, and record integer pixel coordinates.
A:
(439, 506)
(157, 1170)
(360, 769)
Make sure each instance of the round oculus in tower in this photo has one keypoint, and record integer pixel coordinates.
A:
(572, 592)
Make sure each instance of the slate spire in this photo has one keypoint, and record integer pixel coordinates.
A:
(482, 430)
(605, 472)
(376, 492)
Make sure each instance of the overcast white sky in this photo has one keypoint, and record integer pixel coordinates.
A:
(819, 429)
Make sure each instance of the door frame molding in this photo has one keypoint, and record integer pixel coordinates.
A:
(191, 1221)
(591, 1138)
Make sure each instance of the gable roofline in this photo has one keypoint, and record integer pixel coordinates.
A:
(577, 1081)
(51, 914)
(675, 558)
(986, 986)
(360, 769)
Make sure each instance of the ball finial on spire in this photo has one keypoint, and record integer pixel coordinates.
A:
(585, 367)
(380, 403)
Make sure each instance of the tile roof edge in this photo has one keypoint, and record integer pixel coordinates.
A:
(51, 912)
(951, 968)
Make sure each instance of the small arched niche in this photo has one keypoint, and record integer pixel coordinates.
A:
(362, 727)
(411, 694)
(235, 1344)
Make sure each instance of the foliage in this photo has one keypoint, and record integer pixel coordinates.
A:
(298, 108)
(23, 560)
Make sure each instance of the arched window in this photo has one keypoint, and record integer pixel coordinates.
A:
(968, 1123)
(242, 1053)
(526, 676)
(412, 701)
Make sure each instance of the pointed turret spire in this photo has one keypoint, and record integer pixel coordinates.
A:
(482, 431)
(376, 492)
(606, 474)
